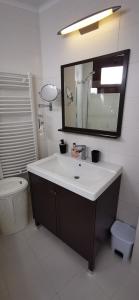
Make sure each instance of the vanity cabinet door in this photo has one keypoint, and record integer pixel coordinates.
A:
(43, 202)
(76, 222)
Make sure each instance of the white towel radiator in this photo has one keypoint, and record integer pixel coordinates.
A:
(18, 139)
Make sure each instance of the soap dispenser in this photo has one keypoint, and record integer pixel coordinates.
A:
(63, 147)
(74, 151)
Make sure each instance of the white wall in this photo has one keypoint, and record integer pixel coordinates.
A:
(135, 255)
(115, 33)
(20, 42)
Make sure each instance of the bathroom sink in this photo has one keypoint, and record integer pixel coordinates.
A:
(85, 178)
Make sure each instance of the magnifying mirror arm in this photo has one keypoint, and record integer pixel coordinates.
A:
(46, 105)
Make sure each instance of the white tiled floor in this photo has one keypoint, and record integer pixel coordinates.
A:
(35, 265)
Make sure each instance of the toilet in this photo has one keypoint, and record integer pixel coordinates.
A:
(13, 204)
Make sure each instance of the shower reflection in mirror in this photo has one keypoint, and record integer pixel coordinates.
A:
(92, 92)
(98, 110)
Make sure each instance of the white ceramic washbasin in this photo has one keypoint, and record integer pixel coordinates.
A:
(85, 178)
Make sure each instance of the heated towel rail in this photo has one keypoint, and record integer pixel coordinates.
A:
(18, 143)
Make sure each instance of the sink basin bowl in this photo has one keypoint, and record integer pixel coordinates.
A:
(85, 178)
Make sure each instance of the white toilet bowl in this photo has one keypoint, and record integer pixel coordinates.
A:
(13, 204)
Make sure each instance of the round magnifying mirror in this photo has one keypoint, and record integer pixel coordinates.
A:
(49, 92)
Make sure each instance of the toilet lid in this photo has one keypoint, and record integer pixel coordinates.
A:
(12, 185)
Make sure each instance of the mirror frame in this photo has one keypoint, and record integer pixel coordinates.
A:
(95, 132)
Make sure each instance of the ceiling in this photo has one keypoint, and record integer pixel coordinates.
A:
(34, 4)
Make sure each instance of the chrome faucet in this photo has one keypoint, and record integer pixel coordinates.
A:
(83, 150)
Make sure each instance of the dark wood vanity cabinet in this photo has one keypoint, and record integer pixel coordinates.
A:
(43, 202)
(76, 218)
(81, 223)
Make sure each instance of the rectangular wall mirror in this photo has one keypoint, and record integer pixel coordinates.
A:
(93, 94)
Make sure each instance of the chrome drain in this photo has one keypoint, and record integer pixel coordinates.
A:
(76, 177)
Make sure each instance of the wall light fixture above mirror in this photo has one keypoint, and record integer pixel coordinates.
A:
(90, 22)
(93, 93)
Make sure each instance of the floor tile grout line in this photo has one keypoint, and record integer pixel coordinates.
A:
(77, 272)
(40, 263)
(47, 257)
(35, 256)
(6, 285)
(123, 286)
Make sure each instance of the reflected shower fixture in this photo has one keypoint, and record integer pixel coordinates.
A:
(88, 23)
(69, 95)
(86, 78)
(91, 73)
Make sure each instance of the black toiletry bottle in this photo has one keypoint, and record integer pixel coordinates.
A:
(63, 147)
(95, 154)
